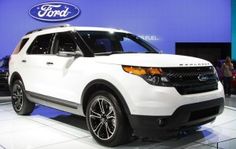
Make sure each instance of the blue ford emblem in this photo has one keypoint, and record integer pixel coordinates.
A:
(202, 78)
(54, 11)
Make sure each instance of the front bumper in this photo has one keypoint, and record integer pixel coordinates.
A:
(186, 116)
(145, 99)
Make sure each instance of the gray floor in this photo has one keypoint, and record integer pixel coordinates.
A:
(231, 102)
(47, 128)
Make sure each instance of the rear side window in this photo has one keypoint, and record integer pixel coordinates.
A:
(20, 45)
(41, 45)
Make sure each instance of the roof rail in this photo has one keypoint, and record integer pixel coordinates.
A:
(44, 28)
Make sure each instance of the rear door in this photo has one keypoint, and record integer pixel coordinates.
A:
(36, 63)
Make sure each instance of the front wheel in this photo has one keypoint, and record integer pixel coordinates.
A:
(20, 103)
(105, 120)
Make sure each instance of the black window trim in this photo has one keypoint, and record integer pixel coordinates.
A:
(87, 51)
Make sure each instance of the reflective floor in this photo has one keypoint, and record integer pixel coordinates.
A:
(230, 102)
(48, 128)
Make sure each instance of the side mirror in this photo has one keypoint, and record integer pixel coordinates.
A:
(69, 54)
(78, 54)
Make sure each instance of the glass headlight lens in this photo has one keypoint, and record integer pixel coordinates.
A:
(154, 76)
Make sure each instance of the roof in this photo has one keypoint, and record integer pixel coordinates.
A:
(66, 27)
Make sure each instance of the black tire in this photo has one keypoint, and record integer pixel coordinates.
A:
(20, 103)
(110, 127)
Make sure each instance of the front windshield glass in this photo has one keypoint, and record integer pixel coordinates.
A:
(101, 42)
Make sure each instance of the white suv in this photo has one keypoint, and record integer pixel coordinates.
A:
(118, 81)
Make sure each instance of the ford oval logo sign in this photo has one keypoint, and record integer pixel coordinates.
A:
(54, 11)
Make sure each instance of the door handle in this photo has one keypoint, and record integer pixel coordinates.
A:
(23, 61)
(49, 63)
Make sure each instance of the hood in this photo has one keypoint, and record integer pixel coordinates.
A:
(152, 60)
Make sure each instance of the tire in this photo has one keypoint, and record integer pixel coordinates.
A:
(20, 103)
(106, 121)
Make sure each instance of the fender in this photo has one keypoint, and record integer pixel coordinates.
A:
(14, 76)
(107, 85)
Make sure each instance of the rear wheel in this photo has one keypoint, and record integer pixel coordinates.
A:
(105, 120)
(20, 103)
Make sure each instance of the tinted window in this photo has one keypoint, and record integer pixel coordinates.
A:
(64, 42)
(23, 43)
(41, 45)
(20, 45)
(102, 42)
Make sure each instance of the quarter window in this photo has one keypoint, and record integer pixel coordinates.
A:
(41, 45)
(20, 45)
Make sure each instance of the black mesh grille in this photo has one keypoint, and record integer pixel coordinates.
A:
(190, 80)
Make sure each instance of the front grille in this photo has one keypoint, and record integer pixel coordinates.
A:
(190, 80)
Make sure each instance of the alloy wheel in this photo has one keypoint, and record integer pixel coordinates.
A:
(17, 97)
(102, 118)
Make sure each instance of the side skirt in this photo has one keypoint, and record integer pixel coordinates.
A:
(56, 103)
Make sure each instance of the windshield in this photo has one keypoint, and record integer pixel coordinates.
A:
(101, 42)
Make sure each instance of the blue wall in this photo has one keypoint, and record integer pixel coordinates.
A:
(165, 21)
(233, 29)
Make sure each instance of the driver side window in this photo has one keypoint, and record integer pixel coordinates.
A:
(64, 43)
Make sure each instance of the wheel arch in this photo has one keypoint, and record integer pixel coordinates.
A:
(101, 84)
(15, 76)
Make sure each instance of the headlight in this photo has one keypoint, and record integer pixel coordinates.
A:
(154, 76)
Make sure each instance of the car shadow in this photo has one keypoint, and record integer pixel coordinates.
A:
(73, 120)
(61, 116)
(183, 139)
